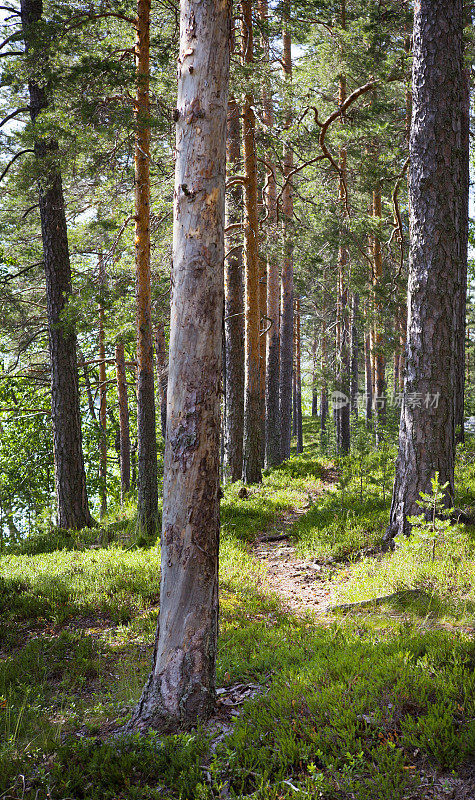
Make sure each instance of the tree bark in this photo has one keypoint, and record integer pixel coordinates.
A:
(461, 294)
(147, 499)
(181, 688)
(122, 395)
(70, 477)
(427, 435)
(234, 308)
(252, 412)
(287, 278)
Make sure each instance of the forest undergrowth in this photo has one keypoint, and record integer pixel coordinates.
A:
(372, 697)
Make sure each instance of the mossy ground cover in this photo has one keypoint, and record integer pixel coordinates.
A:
(374, 702)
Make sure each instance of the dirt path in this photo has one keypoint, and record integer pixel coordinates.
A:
(302, 584)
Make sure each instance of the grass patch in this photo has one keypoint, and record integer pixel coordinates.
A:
(373, 704)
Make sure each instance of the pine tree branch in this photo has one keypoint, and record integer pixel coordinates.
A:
(13, 36)
(21, 153)
(93, 17)
(338, 113)
(13, 115)
(13, 10)
(22, 271)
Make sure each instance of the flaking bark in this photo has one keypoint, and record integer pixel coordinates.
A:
(181, 688)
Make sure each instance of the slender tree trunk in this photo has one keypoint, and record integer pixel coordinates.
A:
(262, 355)
(102, 393)
(162, 374)
(314, 373)
(354, 372)
(368, 375)
(234, 308)
(181, 688)
(252, 412)
(294, 379)
(87, 384)
(298, 379)
(147, 501)
(343, 317)
(379, 358)
(427, 432)
(272, 409)
(323, 363)
(287, 280)
(123, 398)
(70, 477)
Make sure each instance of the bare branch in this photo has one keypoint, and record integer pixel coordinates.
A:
(22, 271)
(11, 38)
(338, 113)
(13, 114)
(21, 153)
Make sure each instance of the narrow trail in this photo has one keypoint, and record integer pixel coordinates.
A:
(302, 584)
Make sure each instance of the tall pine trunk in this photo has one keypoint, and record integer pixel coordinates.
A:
(233, 307)
(287, 279)
(181, 688)
(70, 477)
(427, 431)
(147, 501)
(272, 409)
(252, 388)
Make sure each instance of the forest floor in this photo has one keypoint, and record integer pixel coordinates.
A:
(343, 673)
